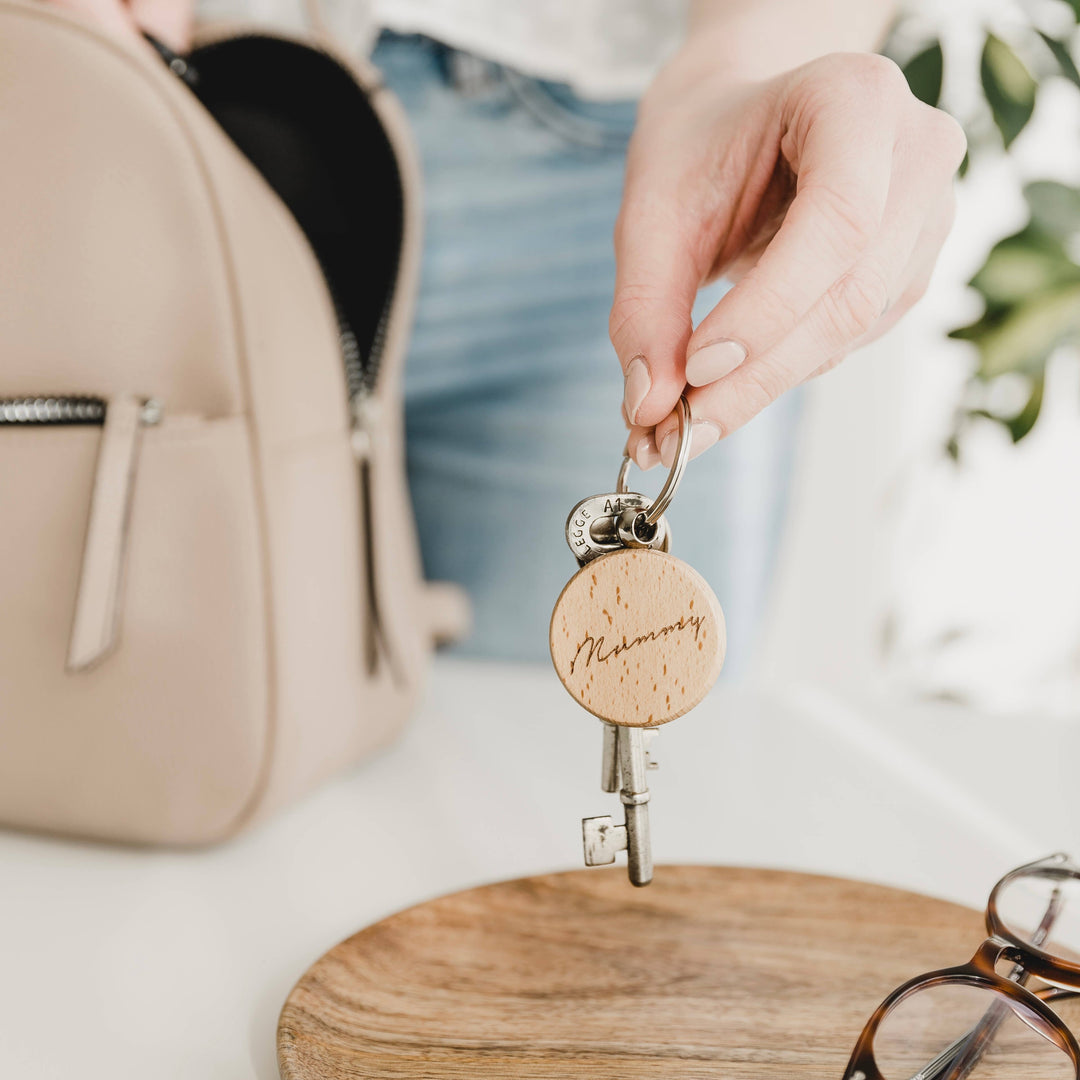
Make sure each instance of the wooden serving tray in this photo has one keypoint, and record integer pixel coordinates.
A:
(709, 972)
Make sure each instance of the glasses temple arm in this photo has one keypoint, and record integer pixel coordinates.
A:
(960, 1057)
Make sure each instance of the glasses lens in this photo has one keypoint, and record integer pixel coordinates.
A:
(1067, 1006)
(1028, 904)
(952, 1032)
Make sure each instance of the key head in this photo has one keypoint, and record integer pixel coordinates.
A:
(637, 637)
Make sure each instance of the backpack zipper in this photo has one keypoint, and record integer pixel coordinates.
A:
(95, 627)
(66, 411)
(360, 380)
(361, 375)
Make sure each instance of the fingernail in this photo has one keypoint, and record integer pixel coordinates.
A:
(645, 453)
(714, 361)
(703, 434)
(638, 382)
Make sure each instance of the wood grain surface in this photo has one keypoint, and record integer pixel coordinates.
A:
(637, 637)
(710, 972)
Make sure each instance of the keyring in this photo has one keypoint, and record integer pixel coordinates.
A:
(662, 501)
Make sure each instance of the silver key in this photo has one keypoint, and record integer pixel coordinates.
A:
(625, 762)
(597, 525)
(609, 761)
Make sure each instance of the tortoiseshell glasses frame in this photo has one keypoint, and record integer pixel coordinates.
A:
(1012, 995)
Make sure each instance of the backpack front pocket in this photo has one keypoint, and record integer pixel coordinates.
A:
(146, 541)
(120, 421)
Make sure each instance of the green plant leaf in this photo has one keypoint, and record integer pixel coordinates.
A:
(924, 72)
(1060, 49)
(1022, 422)
(1055, 207)
(1024, 266)
(1008, 86)
(1023, 337)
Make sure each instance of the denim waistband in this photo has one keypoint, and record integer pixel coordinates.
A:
(583, 122)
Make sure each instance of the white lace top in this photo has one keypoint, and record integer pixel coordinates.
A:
(603, 48)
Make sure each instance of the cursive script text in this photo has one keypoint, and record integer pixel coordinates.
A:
(593, 647)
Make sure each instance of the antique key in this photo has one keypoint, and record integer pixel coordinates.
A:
(637, 638)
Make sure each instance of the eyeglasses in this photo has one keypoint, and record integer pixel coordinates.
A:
(975, 1021)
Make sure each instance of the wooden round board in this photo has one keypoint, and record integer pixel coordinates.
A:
(710, 972)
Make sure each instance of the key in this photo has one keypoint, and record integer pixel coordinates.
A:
(609, 763)
(637, 638)
(603, 839)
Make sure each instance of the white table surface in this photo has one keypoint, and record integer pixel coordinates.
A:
(133, 964)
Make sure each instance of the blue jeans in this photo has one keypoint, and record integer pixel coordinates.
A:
(512, 388)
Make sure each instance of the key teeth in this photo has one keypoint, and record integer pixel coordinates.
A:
(602, 840)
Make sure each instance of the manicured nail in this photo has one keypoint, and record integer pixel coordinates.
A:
(703, 434)
(714, 361)
(645, 453)
(638, 383)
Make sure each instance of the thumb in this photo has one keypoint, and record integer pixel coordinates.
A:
(656, 280)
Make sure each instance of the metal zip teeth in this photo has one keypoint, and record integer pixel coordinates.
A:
(355, 373)
(52, 410)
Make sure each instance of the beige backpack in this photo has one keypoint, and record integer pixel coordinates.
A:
(211, 586)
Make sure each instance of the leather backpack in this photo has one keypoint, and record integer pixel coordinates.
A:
(212, 589)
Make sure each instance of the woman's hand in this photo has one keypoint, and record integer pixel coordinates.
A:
(824, 193)
(169, 21)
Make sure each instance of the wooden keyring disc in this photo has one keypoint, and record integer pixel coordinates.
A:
(637, 637)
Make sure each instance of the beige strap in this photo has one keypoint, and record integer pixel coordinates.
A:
(97, 607)
(449, 611)
(316, 20)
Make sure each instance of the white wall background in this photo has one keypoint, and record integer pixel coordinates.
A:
(971, 571)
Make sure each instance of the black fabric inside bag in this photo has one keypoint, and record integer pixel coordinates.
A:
(307, 126)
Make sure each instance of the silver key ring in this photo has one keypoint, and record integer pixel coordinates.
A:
(662, 501)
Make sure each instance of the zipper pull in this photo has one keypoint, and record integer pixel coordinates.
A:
(377, 648)
(176, 63)
(364, 414)
(95, 628)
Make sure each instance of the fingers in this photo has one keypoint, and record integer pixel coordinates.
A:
(840, 140)
(641, 446)
(112, 16)
(169, 21)
(920, 268)
(891, 275)
(641, 443)
(887, 275)
(656, 282)
(919, 271)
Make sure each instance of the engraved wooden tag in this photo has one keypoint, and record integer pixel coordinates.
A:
(637, 637)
